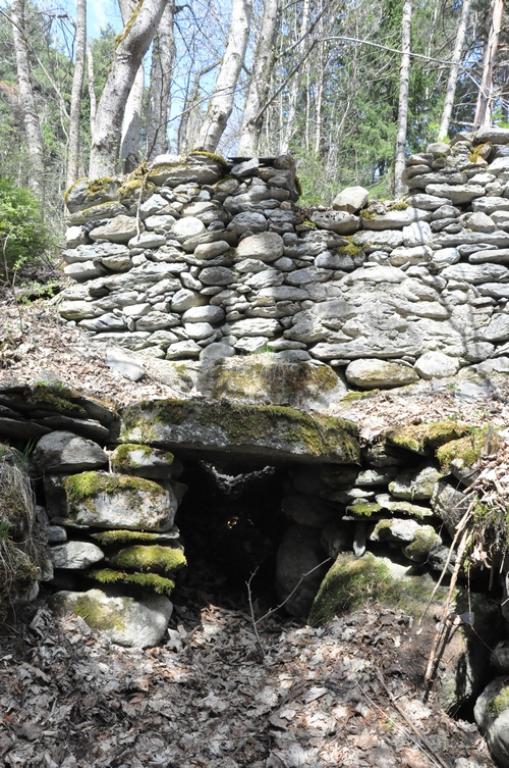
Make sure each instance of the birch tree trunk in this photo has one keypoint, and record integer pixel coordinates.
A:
(73, 159)
(91, 87)
(132, 120)
(221, 102)
(260, 78)
(453, 73)
(163, 54)
(134, 43)
(483, 108)
(27, 103)
(404, 78)
(294, 91)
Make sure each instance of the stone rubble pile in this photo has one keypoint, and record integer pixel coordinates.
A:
(203, 258)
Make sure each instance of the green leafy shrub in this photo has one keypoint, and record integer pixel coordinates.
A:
(23, 236)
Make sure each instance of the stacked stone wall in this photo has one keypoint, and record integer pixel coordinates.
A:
(203, 258)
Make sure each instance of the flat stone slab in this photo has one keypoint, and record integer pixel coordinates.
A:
(266, 432)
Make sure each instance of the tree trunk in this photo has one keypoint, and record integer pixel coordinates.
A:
(28, 106)
(91, 87)
(73, 160)
(404, 78)
(221, 102)
(132, 120)
(163, 53)
(483, 109)
(259, 83)
(294, 91)
(453, 73)
(134, 43)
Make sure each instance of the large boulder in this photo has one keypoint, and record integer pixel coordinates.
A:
(268, 432)
(124, 620)
(109, 500)
(66, 452)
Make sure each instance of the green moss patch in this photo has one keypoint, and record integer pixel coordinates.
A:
(132, 456)
(363, 509)
(262, 429)
(469, 449)
(88, 484)
(213, 156)
(98, 615)
(152, 581)
(153, 557)
(500, 703)
(425, 438)
(121, 536)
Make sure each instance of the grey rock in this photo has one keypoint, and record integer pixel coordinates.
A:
(336, 221)
(265, 246)
(299, 552)
(351, 199)
(436, 365)
(125, 620)
(415, 485)
(461, 193)
(374, 373)
(67, 452)
(75, 555)
(118, 230)
(120, 361)
(217, 276)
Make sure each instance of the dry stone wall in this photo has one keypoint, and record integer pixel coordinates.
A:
(203, 258)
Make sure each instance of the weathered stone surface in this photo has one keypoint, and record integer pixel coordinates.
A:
(491, 714)
(75, 555)
(265, 431)
(299, 552)
(66, 452)
(415, 485)
(397, 218)
(462, 193)
(107, 500)
(142, 460)
(374, 374)
(265, 246)
(118, 230)
(351, 199)
(125, 620)
(336, 221)
(436, 365)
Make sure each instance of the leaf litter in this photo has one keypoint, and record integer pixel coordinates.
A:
(348, 694)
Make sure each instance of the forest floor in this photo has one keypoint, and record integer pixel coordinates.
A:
(36, 345)
(348, 694)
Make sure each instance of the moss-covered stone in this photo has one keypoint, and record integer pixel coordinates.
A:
(425, 540)
(124, 536)
(469, 449)
(213, 157)
(141, 460)
(150, 557)
(352, 582)
(425, 438)
(108, 500)
(363, 509)
(500, 703)
(266, 431)
(143, 581)
(98, 615)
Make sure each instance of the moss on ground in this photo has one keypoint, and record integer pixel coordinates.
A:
(469, 449)
(152, 581)
(425, 438)
(150, 557)
(89, 484)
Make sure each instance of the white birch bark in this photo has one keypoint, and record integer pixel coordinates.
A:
(27, 103)
(132, 120)
(482, 117)
(221, 103)
(163, 53)
(294, 90)
(129, 53)
(73, 159)
(453, 72)
(260, 78)
(91, 87)
(404, 78)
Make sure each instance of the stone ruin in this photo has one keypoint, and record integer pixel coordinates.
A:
(203, 258)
